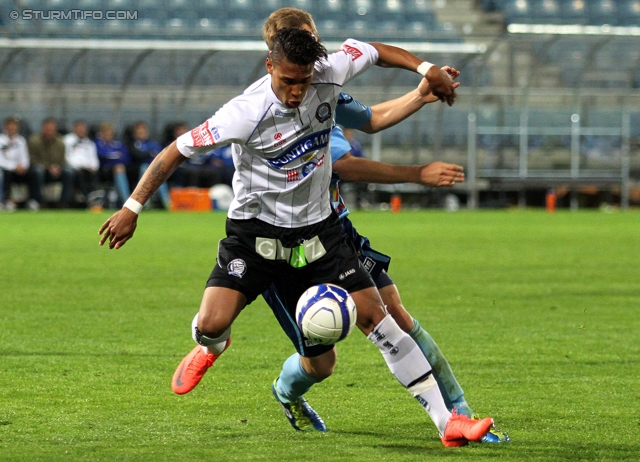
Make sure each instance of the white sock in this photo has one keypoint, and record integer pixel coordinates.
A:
(410, 368)
(208, 344)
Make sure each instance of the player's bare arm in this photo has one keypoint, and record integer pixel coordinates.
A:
(442, 85)
(352, 168)
(120, 226)
(390, 113)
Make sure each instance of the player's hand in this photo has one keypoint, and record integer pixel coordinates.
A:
(424, 88)
(119, 228)
(442, 84)
(441, 174)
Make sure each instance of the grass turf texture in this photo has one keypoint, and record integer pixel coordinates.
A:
(537, 313)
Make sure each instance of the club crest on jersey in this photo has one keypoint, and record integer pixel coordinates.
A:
(202, 136)
(306, 145)
(237, 267)
(323, 113)
(351, 51)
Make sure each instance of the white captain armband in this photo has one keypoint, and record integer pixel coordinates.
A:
(133, 205)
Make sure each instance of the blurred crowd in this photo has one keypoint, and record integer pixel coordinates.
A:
(91, 166)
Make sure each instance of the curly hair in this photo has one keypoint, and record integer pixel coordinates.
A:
(297, 46)
(286, 17)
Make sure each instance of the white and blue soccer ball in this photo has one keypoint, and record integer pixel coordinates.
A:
(326, 314)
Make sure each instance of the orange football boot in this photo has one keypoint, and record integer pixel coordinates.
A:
(192, 368)
(461, 429)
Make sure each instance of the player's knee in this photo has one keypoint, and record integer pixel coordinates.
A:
(211, 325)
(369, 316)
(400, 315)
(320, 367)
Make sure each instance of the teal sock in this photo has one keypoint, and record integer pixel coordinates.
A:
(294, 380)
(449, 387)
(122, 185)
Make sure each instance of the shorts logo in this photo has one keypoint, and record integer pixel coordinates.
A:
(368, 264)
(202, 136)
(352, 51)
(237, 267)
(346, 274)
(323, 113)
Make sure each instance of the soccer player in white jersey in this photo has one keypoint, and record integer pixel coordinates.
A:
(353, 114)
(280, 225)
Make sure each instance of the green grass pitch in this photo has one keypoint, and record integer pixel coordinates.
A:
(537, 313)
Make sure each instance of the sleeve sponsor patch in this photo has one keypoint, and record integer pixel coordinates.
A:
(202, 136)
(351, 51)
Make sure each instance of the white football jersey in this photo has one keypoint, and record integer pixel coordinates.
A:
(281, 155)
(13, 152)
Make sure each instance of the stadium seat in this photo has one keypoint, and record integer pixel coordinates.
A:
(59, 5)
(120, 5)
(390, 10)
(360, 9)
(573, 12)
(207, 25)
(89, 4)
(31, 4)
(628, 13)
(545, 11)
(263, 8)
(602, 12)
(330, 16)
(240, 7)
(417, 7)
(518, 11)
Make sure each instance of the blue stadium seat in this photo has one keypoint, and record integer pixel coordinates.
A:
(89, 4)
(120, 5)
(151, 21)
(602, 12)
(573, 12)
(629, 13)
(238, 8)
(59, 5)
(518, 11)
(208, 26)
(360, 9)
(390, 10)
(546, 11)
(417, 7)
(330, 16)
(265, 7)
(31, 4)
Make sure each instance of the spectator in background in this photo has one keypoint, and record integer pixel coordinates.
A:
(81, 156)
(14, 161)
(114, 160)
(360, 189)
(47, 154)
(143, 150)
(171, 132)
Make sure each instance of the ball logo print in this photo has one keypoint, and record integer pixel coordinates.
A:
(326, 314)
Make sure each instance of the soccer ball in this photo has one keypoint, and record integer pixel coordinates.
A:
(326, 314)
